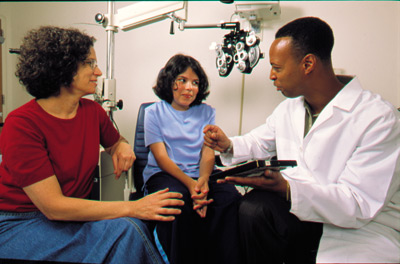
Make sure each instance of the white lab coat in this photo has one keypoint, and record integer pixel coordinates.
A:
(347, 175)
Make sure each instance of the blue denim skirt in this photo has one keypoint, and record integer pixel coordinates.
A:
(31, 236)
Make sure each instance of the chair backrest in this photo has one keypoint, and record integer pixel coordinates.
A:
(141, 152)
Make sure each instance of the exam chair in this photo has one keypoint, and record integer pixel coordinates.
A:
(141, 152)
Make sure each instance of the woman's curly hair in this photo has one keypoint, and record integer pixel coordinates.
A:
(175, 66)
(49, 59)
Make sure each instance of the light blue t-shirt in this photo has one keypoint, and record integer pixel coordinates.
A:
(181, 132)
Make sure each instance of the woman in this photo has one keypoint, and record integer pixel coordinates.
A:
(50, 149)
(206, 231)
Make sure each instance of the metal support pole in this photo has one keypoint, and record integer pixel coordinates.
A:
(110, 29)
(109, 82)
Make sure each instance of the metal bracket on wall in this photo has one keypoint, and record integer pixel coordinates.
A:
(14, 51)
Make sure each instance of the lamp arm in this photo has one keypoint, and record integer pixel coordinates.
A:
(226, 25)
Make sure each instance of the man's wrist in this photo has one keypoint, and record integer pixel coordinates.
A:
(229, 149)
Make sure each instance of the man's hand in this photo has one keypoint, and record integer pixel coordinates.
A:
(215, 138)
(271, 181)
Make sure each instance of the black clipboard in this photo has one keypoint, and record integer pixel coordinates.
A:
(254, 168)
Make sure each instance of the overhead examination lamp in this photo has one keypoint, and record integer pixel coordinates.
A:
(240, 47)
(127, 18)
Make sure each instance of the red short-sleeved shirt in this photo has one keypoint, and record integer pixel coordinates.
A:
(36, 145)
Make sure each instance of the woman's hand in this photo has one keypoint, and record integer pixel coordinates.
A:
(50, 200)
(158, 206)
(122, 156)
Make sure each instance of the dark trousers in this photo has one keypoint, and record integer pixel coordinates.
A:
(192, 239)
(269, 233)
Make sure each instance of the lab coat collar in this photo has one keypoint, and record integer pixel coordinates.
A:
(345, 100)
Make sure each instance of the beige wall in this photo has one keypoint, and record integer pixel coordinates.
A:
(367, 44)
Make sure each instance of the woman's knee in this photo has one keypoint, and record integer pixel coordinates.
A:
(126, 225)
(131, 239)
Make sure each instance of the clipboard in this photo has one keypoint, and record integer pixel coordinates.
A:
(254, 168)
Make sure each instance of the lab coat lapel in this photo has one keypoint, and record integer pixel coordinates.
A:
(298, 119)
(324, 116)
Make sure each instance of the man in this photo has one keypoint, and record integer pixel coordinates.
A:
(346, 143)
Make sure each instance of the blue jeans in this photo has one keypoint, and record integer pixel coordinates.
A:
(31, 236)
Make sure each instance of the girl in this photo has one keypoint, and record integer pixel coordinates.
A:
(207, 226)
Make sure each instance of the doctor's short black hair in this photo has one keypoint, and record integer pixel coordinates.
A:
(176, 65)
(50, 57)
(310, 35)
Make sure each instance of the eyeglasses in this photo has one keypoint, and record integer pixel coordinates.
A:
(91, 63)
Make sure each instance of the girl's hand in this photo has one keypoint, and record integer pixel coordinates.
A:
(199, 196)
